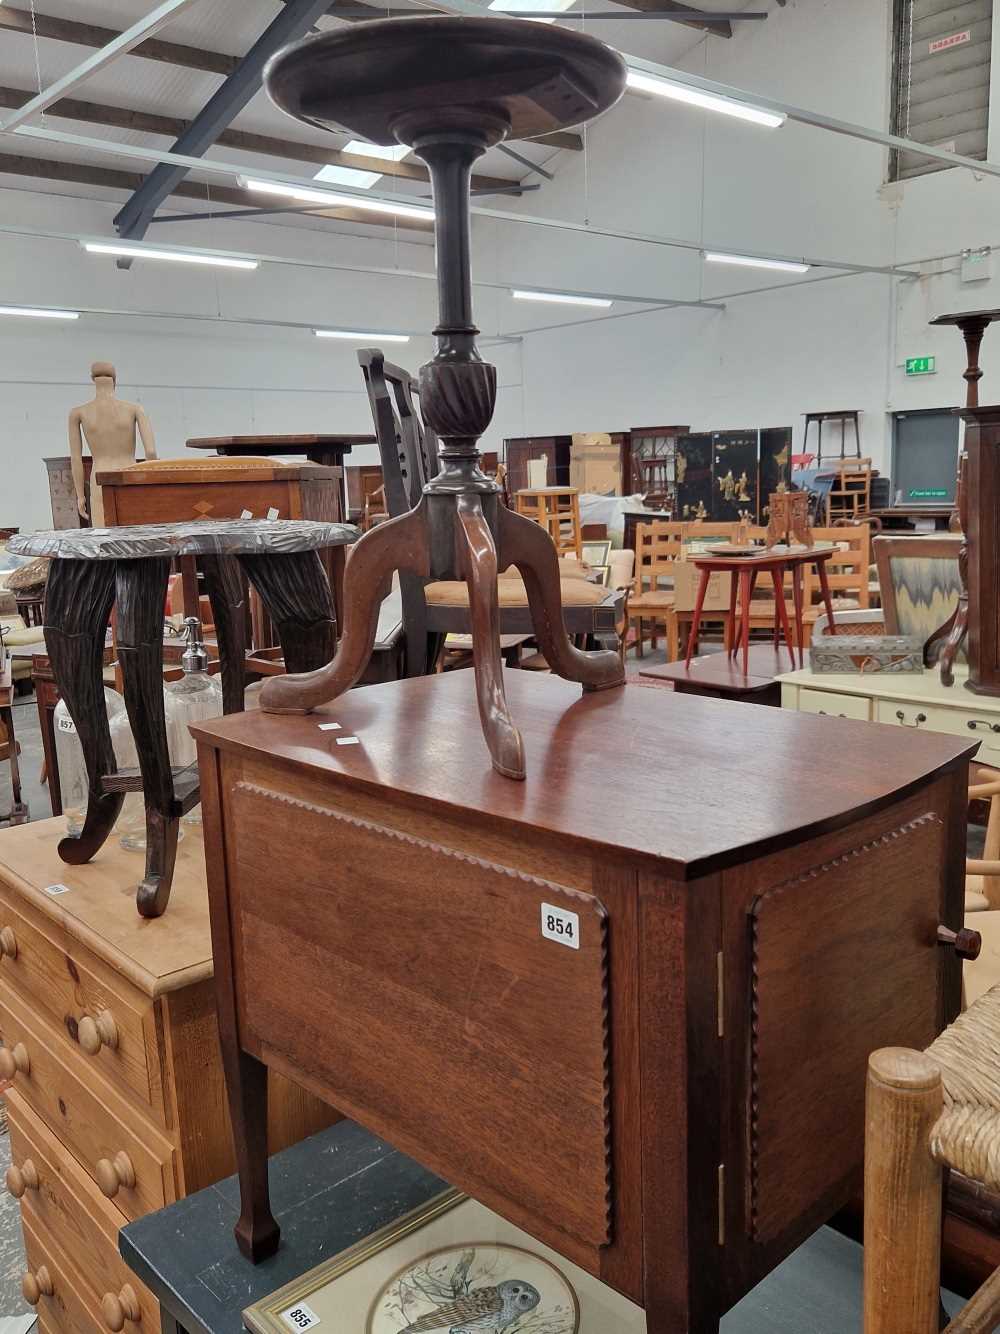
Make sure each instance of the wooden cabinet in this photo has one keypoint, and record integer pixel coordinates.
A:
(111, 1048)
(555, 449)
(170, 490)
(632, 1019)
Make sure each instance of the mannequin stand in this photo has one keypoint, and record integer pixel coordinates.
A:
(395, 81)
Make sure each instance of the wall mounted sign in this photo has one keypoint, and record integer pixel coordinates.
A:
(946, 43)
(929, 493)
(921, 365)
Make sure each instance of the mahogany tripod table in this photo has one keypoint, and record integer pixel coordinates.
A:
(451, 88)
(94, 569)
(632, 1019)
(744, 571)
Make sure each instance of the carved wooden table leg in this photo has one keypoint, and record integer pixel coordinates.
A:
(479, 560)
(19, 811)
(399, 544)
(141, 595)
(78, 602)
(225, 592)
(526, 545)
(296, 593)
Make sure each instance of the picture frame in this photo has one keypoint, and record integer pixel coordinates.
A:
(414, 1266)
(596, 553)
(605, 575)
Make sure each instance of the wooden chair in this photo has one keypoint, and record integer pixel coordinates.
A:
(982, 875)
(432, 609)
(928, 1113)
(850, 495)
(658, 547)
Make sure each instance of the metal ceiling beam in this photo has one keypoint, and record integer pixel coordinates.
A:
(720, 25)
(78, 173)
(524, 219)
(89, 34)
(296, 19)
(119, 46)
(172, 127)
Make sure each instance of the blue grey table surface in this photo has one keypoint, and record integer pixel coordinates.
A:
(332, 1190)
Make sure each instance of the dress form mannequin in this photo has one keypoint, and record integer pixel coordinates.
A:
(109, 426)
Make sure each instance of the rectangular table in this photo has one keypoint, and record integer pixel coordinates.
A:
(631, 1015)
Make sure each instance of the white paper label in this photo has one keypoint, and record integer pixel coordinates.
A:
(561, 926)
(66, 724)
(272, 513)
(300, 1317)
(329, 727)
(245, 514)
(57, 889)
(348, 741)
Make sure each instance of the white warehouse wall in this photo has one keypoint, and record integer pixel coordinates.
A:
(651, 167)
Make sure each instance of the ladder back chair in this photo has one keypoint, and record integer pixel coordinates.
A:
(432, 609)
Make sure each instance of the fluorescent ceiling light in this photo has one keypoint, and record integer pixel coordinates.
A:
(527, 7)
(357, 337)
(727, 106)
(332, 200)
(562, 298)
(752, 262)
(177, 256)
(359, 148)
(361, 180)
(36, 312)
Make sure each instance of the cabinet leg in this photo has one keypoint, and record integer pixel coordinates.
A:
(257, 1234)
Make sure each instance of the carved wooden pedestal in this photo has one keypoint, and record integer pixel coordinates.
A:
(129, 567)
(973, 325)
(398, 81)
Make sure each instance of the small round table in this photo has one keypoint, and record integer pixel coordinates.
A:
(745, 569)
(93, 569)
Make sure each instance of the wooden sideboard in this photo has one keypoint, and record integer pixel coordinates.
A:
(632, 1017)
(910, 700)
(111, 1040)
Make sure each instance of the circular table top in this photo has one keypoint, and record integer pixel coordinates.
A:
(369, 76)
(196, 537)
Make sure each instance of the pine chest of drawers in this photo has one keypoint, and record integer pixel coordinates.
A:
(116, 1104)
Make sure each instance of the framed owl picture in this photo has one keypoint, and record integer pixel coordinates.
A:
(451, 1267)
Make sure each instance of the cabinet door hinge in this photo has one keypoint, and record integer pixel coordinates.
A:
(722, 1204)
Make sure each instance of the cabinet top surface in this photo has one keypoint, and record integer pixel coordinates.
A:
(919, 687)
(695, 783)
(98, 908)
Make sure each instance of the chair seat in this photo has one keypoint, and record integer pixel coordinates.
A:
(512, 592)
(765, 610)
(651, 601)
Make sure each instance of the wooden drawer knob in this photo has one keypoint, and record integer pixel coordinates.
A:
(20, 1179)
(117, 1308)
(14, 1061)
(112, 1176)
(8, 942)
(97, 1032)
(36, 1286)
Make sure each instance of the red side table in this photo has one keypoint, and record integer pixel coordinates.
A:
(745, 570)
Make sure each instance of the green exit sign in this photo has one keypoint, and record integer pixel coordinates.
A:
(921, 366)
